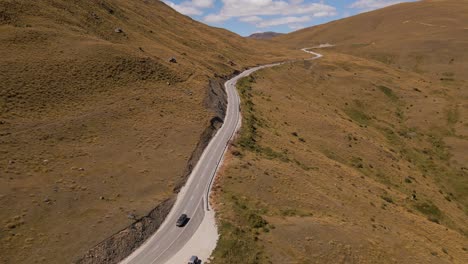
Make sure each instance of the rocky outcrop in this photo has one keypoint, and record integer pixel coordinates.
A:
(123, 243)
(216, 101)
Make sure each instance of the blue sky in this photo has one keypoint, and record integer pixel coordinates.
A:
(250, 16)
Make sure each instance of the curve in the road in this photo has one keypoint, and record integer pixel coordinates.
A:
(172, 244)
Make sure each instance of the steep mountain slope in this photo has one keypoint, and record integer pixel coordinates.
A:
(361, 156)
(97, 126)
(424, 36)
(346, 160)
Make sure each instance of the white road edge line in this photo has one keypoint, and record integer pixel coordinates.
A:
(230, 87)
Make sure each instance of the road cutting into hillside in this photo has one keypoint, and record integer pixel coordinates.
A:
(172, 244)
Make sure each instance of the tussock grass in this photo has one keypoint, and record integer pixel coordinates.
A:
(358, 115)
(432, 212)
(251, 122)
(388, 92)
(237, 243)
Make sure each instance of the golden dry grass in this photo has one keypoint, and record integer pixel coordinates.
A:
(348, 162)
(96, 125)
(424, 36)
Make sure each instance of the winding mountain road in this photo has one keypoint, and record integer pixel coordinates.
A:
(172, 244)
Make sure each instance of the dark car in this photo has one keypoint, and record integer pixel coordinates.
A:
(183, 219)
(194, 260)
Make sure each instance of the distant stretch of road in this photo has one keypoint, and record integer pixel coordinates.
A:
(172, 244)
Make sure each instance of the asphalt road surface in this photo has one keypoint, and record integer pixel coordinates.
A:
(193, 198)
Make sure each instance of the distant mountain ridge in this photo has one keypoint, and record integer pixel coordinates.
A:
(265, 35)
(424, 36)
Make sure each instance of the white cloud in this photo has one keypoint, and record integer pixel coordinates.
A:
(251, 19)
(296, 26)
(256, 8)
(190, 8)
(214, 18)
(203, 3)
(283, 21)
(373, 4)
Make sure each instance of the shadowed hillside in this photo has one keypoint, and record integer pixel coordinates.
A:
(264, 35)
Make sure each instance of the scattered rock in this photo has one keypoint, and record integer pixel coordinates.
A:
(101, 197)
(173, 60)
(131, 216)
(118, 30)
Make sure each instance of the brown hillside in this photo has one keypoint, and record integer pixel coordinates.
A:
(346, 160)
(360, 156)
(425, 36)
(96, 125)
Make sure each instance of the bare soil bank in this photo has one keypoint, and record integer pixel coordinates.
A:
(120, 245)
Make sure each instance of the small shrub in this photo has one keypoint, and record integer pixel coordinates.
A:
(433, 219)
(288, 212)
(387, 199)
(236, 153)
(357, 162)
(388, 92)
(256, 221)
(430, 210)
(358, 116)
